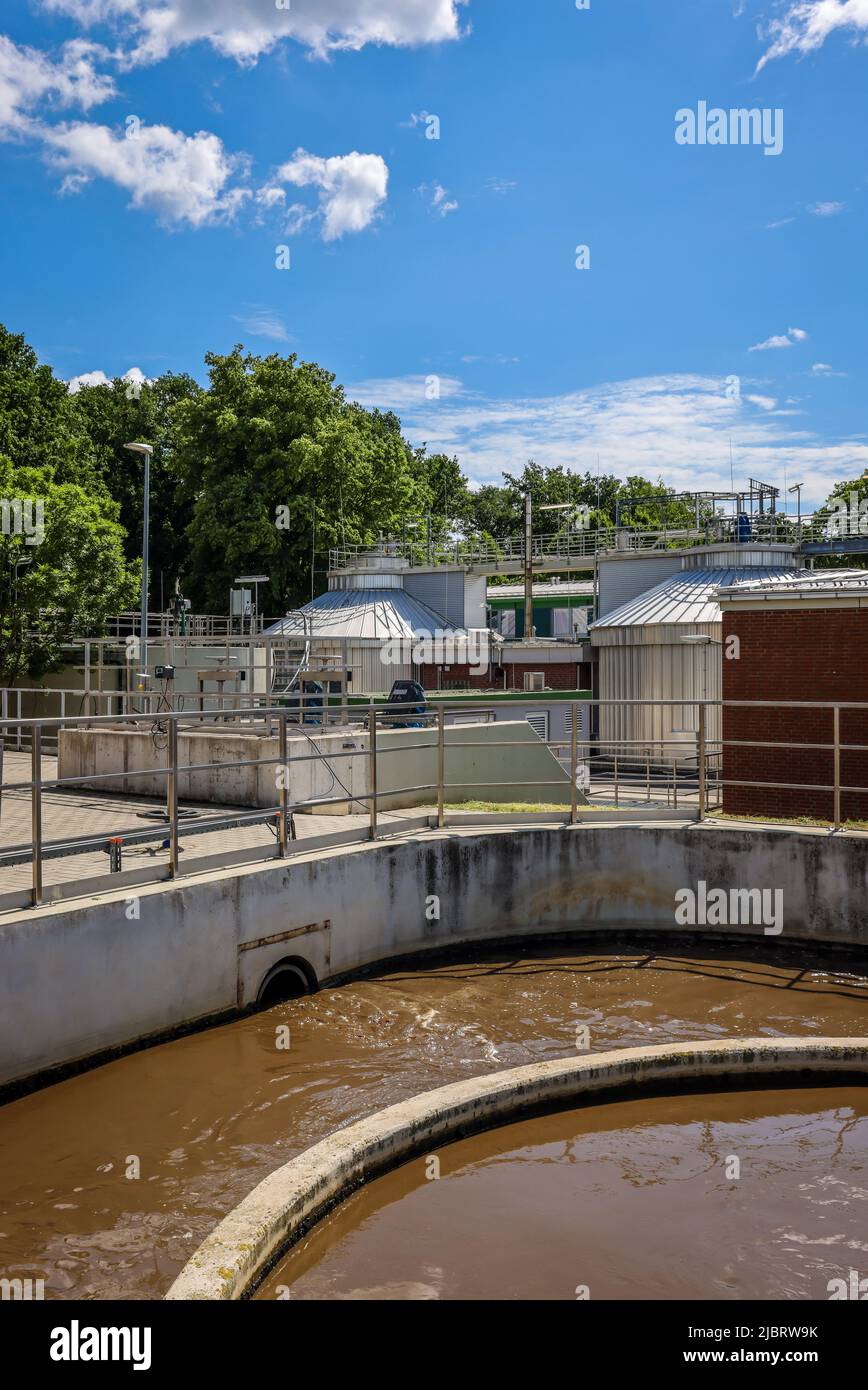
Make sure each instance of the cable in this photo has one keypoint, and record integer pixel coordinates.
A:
(353, 800)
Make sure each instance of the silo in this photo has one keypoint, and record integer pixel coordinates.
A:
(651, 648)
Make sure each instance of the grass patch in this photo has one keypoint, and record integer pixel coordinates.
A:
(790, 820)
(507, 806)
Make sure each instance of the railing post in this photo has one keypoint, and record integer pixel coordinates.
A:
(441, 766)
(701, 763)
(836, 713)
(674, 786)
(36, 810)
(284, 788)
(574, 766)
(372, 755)
(172, 795)
(616, 779)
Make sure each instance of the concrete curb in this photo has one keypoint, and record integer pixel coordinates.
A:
(231, 1260)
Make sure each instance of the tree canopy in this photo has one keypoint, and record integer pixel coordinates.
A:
(262, 470)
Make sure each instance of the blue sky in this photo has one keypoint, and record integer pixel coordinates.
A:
(153, 161)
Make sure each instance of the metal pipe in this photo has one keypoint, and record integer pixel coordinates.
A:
(284, 787)
(372, 735)
(36, 813)
(574, 765)
(172, 796)
(441, 766)
(836, 716)
(701, 763)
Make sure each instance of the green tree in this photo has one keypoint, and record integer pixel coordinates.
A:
(39, 426)
(118, 413)
(66, 582)
(280, 467)
(854, 496)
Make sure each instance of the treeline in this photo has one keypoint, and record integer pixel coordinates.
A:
(261, 471)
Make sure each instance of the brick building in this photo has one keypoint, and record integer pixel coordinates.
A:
(563, 667)
(798, 640)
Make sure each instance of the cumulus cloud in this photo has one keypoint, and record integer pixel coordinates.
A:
(29, 78)
(134, 377)
(245, 29)
(352, 188)
(677, 427)
(183, 179)
(805, 26)
(780, 340)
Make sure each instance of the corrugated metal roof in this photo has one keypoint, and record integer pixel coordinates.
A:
(687, 597)
(375, 615)
(808, 580)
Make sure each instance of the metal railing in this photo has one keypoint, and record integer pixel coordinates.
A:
(767, 529)
(609, 776)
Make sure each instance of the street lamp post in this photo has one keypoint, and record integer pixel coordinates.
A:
(797, 489)
(146, 450)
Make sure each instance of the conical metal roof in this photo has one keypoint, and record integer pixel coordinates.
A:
(689, 597)
(364, 615)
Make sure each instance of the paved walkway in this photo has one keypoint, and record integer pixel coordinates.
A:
(72, 814)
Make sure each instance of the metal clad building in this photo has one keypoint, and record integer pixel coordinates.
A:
(646, 653)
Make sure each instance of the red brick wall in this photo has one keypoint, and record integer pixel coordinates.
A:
(786, 656)
(561, 675)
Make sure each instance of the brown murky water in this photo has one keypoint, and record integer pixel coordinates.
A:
(634, 1200)
(204, 1118)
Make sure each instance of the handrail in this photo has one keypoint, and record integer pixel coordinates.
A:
(690, 773)
(767, 529)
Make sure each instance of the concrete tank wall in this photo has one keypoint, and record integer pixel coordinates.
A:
(406, 758)
(78, 981)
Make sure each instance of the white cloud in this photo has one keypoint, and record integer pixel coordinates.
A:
(183, 179)
(500, 359)
(807, 24)
(780, 340)
(826, 209)
(261, 322)
(270, 196)
(134, 377)
(404, 392)
(352, 188)
(439, 199)
(677, 427)
(824, 369)
(244, 29)
(501, 185)
(29, 78)
(764, 402)
(784, 222)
